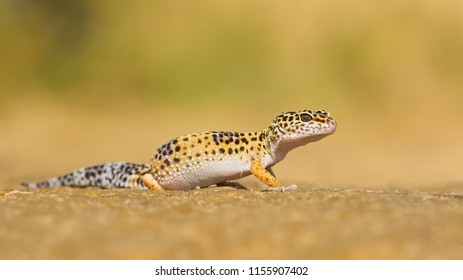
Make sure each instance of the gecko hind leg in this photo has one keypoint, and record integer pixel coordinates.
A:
(149, 181)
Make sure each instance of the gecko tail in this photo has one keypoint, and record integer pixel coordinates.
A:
(107, 175)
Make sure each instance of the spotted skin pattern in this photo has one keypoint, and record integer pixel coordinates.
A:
(107, 175)
(208, 158)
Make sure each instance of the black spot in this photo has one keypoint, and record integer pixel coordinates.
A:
(222, 150)
(175, 141)
(199, 141)
(176, 160)
(261, 137)
(177, 148)
(254, 139)
(185, 139)
(236, 150)
(216, 139)
(230, 151)
(198, 154)
(237, 141)
(167, 162)
(241, 148)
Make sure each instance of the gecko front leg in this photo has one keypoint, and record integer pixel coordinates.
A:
(265, 176)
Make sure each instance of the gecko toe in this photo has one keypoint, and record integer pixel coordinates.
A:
(282, 189)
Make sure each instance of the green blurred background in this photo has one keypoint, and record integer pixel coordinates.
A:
(83, 82)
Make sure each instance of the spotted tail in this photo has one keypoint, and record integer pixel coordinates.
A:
(107, 175)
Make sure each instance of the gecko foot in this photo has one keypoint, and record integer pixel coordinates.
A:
(282, 189)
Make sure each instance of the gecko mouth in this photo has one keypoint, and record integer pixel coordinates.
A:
(333, 125)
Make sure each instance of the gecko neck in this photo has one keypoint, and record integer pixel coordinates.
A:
(273, 145)
(278, 146)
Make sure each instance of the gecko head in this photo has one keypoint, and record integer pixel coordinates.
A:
(302, 127)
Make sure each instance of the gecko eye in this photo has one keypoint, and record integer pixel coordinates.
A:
(306, 118)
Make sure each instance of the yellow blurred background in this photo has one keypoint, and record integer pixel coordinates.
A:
(84, 82)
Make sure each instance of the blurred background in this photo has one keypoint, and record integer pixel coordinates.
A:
(84, 82)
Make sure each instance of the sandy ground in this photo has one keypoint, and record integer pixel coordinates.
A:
(363, 193)
(225, 223)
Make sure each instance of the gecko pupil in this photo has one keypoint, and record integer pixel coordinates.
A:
(306, 118)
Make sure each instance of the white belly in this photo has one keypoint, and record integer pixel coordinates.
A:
(206, 173)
